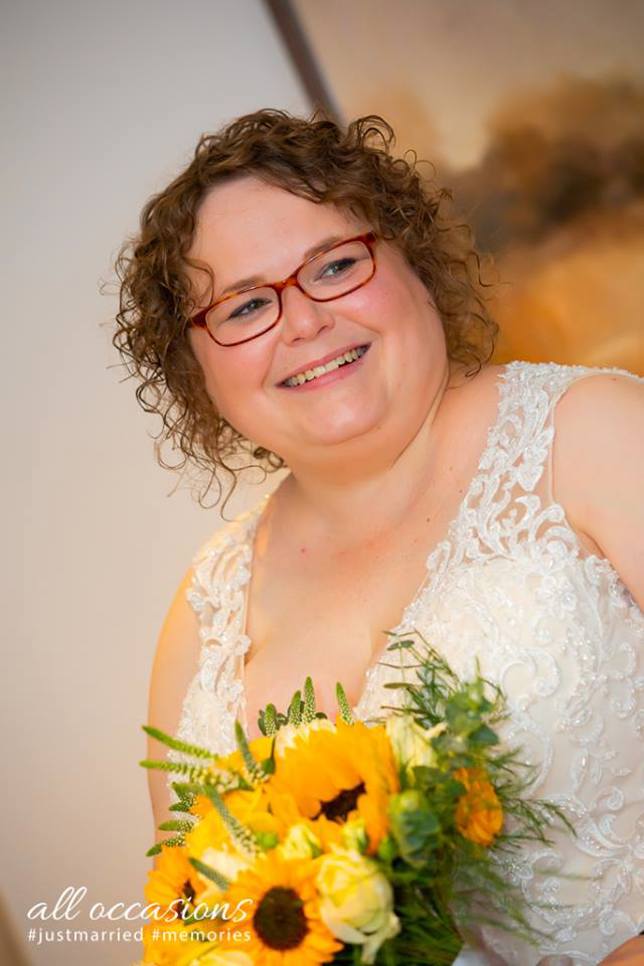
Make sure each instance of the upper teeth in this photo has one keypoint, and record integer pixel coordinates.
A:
(340, 360)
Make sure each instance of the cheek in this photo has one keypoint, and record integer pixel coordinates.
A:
(230, 376)
(400, 306)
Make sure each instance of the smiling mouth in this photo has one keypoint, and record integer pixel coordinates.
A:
(341, 360)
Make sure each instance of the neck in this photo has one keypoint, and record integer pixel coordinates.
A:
(368, 491)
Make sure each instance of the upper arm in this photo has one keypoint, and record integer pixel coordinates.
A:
(174, 666)
(598, 465)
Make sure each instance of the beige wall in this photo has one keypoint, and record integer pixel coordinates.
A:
(105, 101)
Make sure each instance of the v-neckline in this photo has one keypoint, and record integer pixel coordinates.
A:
(255, 514)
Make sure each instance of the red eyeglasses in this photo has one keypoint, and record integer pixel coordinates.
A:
(338, 270)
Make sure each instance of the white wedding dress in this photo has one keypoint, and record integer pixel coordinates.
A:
(512, 585)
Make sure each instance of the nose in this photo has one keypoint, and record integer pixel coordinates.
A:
(302, 318)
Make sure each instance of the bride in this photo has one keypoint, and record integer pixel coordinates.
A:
(297, 292)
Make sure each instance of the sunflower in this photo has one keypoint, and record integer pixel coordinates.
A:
(172, 878)
(284, 920)
(334, 776)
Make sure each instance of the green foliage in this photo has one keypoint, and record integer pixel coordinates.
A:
(415, 826)
(176, 825)
(255, 770)
(295, 709)
(207, 870)
(187, 794)
(178, 807)
(195, 750)
(269, 720)
(267, 840)
(243, 837)
(187, 791)
(309, 708)
(301, 710)
(155, 849)
(343, 704)
(438, 875)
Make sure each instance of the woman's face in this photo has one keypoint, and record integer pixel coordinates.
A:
(245, 229)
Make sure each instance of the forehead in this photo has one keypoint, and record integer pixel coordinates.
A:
(247, 227)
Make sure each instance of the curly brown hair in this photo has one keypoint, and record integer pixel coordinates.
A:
(353, 168)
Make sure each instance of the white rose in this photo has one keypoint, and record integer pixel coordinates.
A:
(411, 743)
(356, 901)
(300, 843)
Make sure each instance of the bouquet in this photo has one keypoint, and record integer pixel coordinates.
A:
(344, 842)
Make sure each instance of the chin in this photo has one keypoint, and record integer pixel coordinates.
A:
(338, 431)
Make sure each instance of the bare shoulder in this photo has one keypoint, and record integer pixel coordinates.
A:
(175, 663)
(604, 393)
(599, 423)
(598, 467)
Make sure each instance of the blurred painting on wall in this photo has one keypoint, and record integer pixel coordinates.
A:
(532, 114)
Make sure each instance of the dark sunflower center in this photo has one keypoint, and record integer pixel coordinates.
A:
(187, 891)
(279, 919)
(337, 809)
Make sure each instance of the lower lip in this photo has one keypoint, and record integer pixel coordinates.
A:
(342, 372)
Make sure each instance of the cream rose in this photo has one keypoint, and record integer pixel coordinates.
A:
(300, 842)
(356, 901)
(411, 743)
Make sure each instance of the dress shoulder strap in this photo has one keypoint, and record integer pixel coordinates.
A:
(220, 572)
(509, 504)
(526, 425)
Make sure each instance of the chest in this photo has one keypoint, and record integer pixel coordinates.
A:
(325, 611)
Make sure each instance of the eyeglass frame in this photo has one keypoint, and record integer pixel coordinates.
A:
(198, 320)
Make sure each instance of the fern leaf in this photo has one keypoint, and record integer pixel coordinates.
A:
(195, 750)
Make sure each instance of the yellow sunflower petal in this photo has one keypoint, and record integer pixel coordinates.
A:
(172, 878)
(283, 920)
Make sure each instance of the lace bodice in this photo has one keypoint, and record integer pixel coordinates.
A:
(512, 586)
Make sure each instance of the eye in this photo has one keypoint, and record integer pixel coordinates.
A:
(339, 266)
(246, 309)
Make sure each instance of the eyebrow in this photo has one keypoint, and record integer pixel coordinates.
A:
(254, 280)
